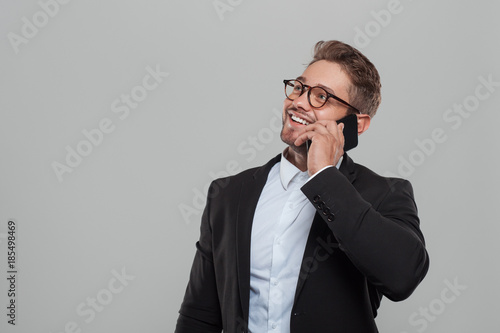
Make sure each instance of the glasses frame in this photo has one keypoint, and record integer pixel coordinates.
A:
(309, 88)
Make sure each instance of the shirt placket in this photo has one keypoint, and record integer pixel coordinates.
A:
(280, 253)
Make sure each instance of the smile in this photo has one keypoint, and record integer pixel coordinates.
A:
(299, 120)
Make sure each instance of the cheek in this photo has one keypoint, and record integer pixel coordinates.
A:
(329, 114)
(287, 103)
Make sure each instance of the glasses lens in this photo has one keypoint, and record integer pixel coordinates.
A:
(293, 89)
(318, 97)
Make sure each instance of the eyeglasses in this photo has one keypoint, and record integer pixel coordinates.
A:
(316, 96)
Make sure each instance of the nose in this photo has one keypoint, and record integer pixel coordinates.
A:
(302, 101)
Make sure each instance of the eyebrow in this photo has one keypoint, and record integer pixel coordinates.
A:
(328, 89)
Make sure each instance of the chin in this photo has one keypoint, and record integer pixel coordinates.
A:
(290, 142)
(286, 137)
(301, 150)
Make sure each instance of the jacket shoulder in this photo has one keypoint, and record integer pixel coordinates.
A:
(365, 175)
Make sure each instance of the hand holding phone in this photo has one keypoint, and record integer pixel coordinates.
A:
(350, 132)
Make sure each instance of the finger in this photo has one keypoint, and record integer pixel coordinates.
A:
(337, 131)
(318, 127)
(301, 139)
(331, 125)
(341, 135)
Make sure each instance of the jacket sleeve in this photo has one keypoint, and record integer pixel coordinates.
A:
(384, 241)
(200, 311)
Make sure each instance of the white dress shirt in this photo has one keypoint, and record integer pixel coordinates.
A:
(281, 225)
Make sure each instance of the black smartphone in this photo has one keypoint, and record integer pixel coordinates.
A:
(350, 132)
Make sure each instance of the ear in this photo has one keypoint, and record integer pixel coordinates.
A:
(363, 122)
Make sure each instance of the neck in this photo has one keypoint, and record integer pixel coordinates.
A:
(299, 159)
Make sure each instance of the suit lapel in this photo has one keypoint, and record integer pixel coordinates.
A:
(247, 202)
(347, 168)
(309, 259)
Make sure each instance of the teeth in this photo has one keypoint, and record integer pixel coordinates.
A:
(299, 120)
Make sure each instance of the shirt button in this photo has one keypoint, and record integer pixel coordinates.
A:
(275, 283)
(273, 326)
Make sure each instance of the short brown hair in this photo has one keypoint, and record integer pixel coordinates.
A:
(364, 93)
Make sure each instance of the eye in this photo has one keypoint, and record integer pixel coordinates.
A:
(322, 96)
(319, 94)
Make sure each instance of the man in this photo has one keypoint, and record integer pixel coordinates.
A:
(311, 241)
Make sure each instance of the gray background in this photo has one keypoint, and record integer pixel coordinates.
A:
(120, 208)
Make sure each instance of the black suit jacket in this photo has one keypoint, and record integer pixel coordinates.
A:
(365, 242)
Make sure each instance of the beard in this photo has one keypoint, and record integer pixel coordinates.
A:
(288, 138)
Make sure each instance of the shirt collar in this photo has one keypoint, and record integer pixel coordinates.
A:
(288, 172)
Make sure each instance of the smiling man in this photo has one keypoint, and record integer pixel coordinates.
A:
(311, 241)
